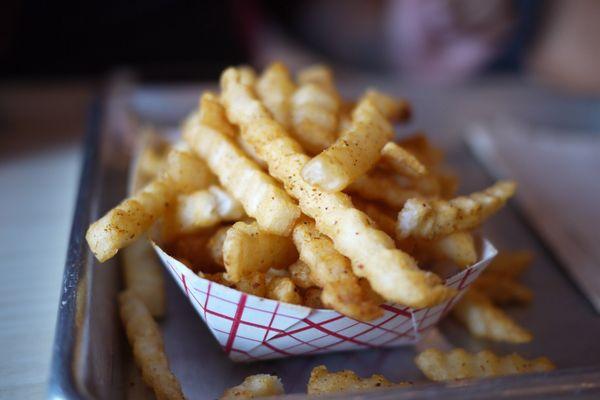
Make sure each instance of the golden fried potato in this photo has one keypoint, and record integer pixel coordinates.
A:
(429, 219)
(384, 188)
(418, 145)
(282, 288)
(458, 364)
(458, 247)
(206, 208)
(381, 216)
(315, 105)
(332, 272)
(260, 385)
(253, 283)
(187, 172)
(354, 152)
(395, 110)
(502, 290)
(143, 275)
(211, 114)
(300, 274)
(510, 264)
(391, 272)
(215, 245)
(148, 349)
(126, 222)
(312, 298)
(259, 194)
(402, 161)
(248, 249)
(322, 381)
(275, 88)
(483, 319)
(194, 250)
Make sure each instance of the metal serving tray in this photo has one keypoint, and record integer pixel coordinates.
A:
(91, 359)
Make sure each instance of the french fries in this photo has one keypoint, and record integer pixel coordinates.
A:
(247, 249)
(510, 264)
(258, 193)
(395, 110)
(332, 272)
(143, 276)
(458, 247)
(211, 114)
(484, 320)
(501, 290)
(382, 188)
(402, 161)
(148, 348)
(354, 152)
(323, 382)
(458, 364)
(391, 272)
(312, 298)
(300, 274)
(261, 385)
(315, 105)
(206, 208)
(430, 219)
(282, 288)
(276, 88)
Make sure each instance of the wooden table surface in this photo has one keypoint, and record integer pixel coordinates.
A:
(40, 130)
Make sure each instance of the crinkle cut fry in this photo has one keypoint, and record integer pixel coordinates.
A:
(458, 364)
(484, 320)
(260, 195)
(275, 88)
(332, 271)
(260, 385)
(430, 219)
(148, 349)
(354, 152)
(322, 381)
(391, 272)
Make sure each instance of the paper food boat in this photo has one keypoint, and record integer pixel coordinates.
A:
(251, 328)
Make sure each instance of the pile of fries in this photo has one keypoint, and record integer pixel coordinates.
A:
(283, 189)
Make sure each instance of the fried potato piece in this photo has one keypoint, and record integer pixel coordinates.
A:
(382, 218)
(354, 152)
(212, 114)
(312, 298)
(143, 275)
(315, 105)
(206, 208)
(322, 381)
(187, 172)
(248, 249)
(260, 385)
(217, 277)
(430, 219)
(193, 249)
(502, 290)
(148, 349)
(418, 145)
(300, 274)
(383, 188)
(249, 151)
(482, 319)
(215, 245)
(402, 161)
(395, 110)
(253, 283)
(458, 247)
(391, 272)
(259, 194)
(275, 88)
(510, 264)
(282, 288)
(458, 364)
(126, 222)
(333, 273)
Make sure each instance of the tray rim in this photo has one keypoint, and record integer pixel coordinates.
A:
(569, 383)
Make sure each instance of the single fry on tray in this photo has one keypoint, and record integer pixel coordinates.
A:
(261, 385)
(146, 342)
(484, 320)
(391, 272)
(247, 249)
(354, 152)
(322, 381)
(259, 194)
(332, 272)
(430, 219)
(458, 364)
(143, 275)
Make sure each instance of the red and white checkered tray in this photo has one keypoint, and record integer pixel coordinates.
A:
(252, 328)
